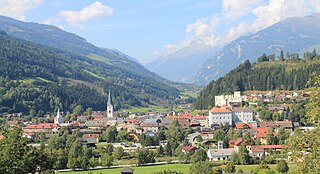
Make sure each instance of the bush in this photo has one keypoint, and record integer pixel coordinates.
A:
(201, 167)
(230, 168)
(282, 166)
(240, 171)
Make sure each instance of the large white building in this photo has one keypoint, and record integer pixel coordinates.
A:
(220, 116)
(224, 115)
(242, 115)
(230, 100)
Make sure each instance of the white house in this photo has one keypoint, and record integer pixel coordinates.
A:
(220, 116)
(242, 115)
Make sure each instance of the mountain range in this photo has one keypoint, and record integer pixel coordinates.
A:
(44, 67)
(296, 34)
(293, 35)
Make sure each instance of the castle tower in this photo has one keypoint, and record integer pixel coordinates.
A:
(58, 119)
(109, 106)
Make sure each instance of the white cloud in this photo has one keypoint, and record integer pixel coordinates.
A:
(203, 33)
(77, 18)
(233, 9)
(17, 8)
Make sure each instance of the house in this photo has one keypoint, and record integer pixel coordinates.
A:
(262, 134)
(202, 119)
(237, 143)
(189, 149)
(243, 126)
(287, 125)
(240, 114)
(279, 110)
(220, 116)
(95, 136)
(153, 127)
(48, 128)
(220, 154)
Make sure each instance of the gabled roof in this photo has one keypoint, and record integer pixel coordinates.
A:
(220, 110)
(127, 169)
(242, 125)
(242, 109)
(199, 117)
(183, 115)
(42, 126)
(187, 148)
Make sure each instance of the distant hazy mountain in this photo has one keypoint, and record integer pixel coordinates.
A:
(180, 66)
(295, 34)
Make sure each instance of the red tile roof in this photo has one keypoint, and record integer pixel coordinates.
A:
(270, 146)
(242, 125)
(1, 137)
(256, 149)
(220, 110)
(97, 117)
(183, 115)
(261, 130)
(187, 148)
(198, 117)
(42, 126)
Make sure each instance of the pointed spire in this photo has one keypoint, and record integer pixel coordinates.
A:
(109, 99)
(58, 112)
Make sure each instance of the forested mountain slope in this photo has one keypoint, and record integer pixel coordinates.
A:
(52, 36)
(43, 78)
(268, 74)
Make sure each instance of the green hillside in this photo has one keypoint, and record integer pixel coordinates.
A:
(43, 78)
(267, 75)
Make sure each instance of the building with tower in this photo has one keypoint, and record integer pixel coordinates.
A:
(109, 106)
(58, 119)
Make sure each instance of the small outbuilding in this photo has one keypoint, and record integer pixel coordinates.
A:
(127, 170)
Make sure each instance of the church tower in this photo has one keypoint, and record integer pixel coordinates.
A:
(109, 106)
(58, 119)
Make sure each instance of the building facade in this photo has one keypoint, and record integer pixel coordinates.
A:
(242, 115)
(220, 116)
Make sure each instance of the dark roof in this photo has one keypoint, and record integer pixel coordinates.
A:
(127, 169)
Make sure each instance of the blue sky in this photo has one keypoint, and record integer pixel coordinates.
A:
(146, 29)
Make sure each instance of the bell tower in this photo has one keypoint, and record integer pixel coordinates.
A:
(109, 106)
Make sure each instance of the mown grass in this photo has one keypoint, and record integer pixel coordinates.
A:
(174, 167)
(139, 170)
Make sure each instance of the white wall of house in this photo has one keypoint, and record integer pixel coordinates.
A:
(242, 116)
(220, 118)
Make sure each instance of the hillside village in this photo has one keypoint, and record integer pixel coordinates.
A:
(235, 120)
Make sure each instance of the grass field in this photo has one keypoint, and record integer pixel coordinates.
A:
(150, 169)
(139, 170)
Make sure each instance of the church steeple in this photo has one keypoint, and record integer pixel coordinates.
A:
(109, 103)
(109, 106)
(58, 119)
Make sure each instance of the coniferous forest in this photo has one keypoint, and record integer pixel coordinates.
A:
(287, 72)
(42, 79)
